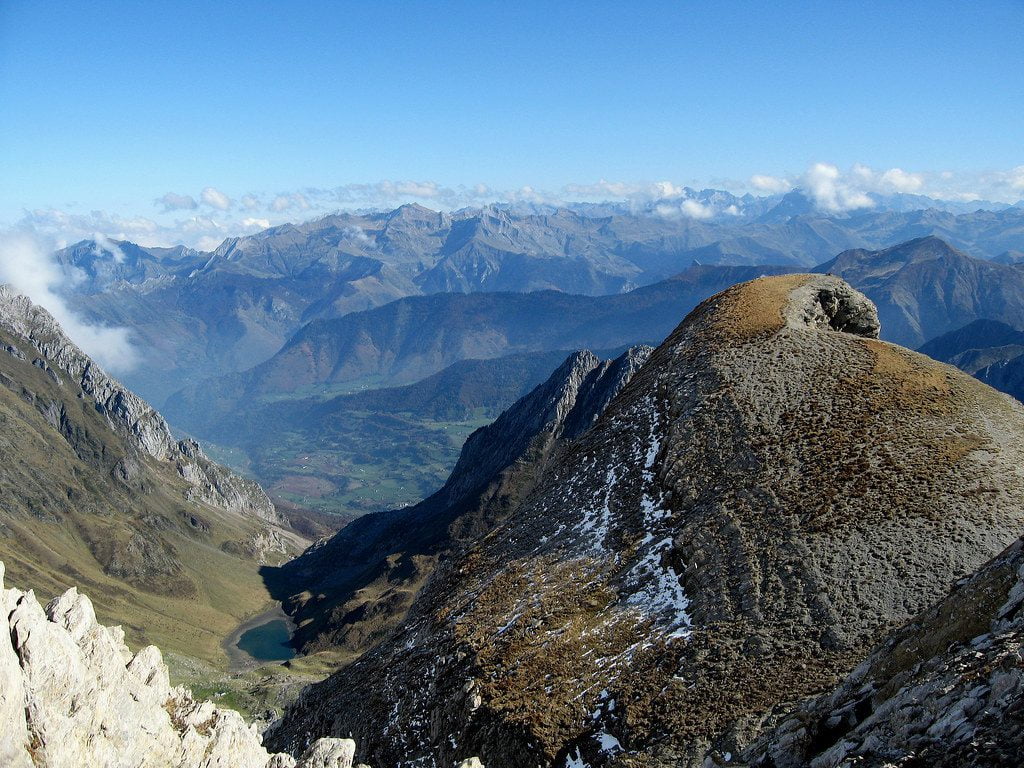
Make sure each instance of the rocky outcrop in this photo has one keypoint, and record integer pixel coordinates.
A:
(72, 695)
(127, 413)
(771, 493)
(946, 690)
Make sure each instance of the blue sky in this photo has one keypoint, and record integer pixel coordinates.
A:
(281, 110)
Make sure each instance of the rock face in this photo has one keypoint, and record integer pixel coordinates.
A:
(366, 576)
(127, 413)
(771, 493)
(72, 695)
(946, 690)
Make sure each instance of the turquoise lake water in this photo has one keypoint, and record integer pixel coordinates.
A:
(267, 642)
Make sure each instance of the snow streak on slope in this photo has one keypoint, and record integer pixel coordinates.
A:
(653, 583)
(659, 589)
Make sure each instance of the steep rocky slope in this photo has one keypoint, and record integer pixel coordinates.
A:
(772, 492)
(924, 288)
(357, 587)
(946, 690)
(98, 493)
(73, 695)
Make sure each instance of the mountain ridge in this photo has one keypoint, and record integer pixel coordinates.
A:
(718, 545)
(98, 494)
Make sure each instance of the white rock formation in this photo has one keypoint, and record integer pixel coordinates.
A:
(73, 695)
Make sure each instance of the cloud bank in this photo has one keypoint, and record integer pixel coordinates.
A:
(27, 264)
(205, 218)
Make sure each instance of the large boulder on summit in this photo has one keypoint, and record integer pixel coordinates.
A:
(773, 491)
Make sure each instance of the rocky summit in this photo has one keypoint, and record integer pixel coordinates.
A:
(772, 492)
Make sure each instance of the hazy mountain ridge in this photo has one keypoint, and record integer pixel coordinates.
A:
(378, 448)
(208, 314)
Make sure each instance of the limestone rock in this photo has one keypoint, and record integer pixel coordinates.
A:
(73, 695)
(329, 753)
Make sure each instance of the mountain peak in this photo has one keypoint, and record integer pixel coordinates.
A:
(768, 304)
(732, 534)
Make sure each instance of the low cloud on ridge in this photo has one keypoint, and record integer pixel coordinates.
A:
(28, 266)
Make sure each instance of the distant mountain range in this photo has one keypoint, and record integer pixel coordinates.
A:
(201, 314)
(923, 288)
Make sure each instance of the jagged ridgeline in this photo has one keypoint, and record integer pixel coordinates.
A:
(770, 494)
(96, 493)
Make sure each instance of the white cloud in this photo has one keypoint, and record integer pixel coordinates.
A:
(773, 185)
(426, 190)
(27, 264)
(836, 191)
(251, 202)
(695, 210)
(256, 224)
(900, 181)
(831, 192)
(103, 244)
(214, 198)
(174, 202)
(637, 192)
(287, 202)
(1016, 178)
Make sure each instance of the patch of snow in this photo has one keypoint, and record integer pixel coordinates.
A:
(575, 762)
(659, 591)
(608, 743)
(597, 519)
